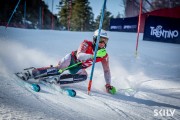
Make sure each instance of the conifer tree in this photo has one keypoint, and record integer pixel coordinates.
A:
(81, 18)
(64, 13)
(106, 21)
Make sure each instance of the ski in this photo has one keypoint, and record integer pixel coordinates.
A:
(47, 81)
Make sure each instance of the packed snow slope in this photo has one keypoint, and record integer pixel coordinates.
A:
(154, 74)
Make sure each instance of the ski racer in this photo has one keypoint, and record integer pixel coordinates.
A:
(84, 55)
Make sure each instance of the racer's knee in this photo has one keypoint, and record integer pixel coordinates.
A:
(64, 62)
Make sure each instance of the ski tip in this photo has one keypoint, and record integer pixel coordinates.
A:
(71, 92)
(35, 87)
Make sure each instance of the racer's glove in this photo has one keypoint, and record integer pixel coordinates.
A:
(100, 53)
(110, 89)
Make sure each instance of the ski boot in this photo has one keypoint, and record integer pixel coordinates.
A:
(110, 89)
(25, 75)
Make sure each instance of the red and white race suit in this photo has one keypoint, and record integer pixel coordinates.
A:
(85, 53)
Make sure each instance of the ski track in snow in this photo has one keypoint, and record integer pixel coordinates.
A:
(153, 91)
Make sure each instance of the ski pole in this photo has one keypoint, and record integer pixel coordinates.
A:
(62, 70)
(96, 48)
(12, 14)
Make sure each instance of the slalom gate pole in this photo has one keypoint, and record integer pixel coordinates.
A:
(139, 23)
(42, 22)
(25, 13)
(96, 48)
(52, 17)
(13, 13)
(40, 16)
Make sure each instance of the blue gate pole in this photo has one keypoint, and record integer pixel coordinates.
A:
(25, 13)
(12, 14)
(96, 48)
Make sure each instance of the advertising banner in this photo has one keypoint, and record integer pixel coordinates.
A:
(124, 24)
(162, 29)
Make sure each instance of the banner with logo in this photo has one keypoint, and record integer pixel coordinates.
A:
(124, 24)
(162, 29)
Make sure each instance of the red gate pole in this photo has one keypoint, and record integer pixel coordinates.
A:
(139, 24)
(52, 17)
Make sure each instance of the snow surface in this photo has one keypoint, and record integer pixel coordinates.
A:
(154, 74)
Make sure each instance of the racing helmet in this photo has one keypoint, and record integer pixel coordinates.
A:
(103, 37)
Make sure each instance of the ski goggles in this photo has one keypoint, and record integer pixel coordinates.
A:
(103, 40)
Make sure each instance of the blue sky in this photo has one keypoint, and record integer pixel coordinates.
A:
(114, 6)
